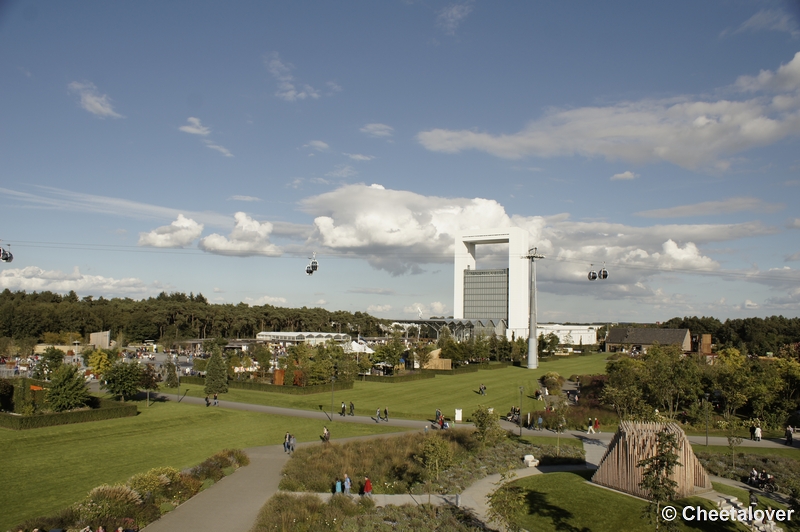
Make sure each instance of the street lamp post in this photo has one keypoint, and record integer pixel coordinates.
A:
(520, 410)
(707, 395)
(333, 378)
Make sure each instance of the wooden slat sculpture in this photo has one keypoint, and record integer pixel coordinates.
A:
(634, 442)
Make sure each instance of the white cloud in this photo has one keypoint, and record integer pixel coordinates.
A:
(707, 208)
(794, 257)
(373, 309)
(218, 290)
(359, 157)
(66, 200)
(265, 300)
(769, 20)
(627, 175)
(244, 198)
(180, 233)
(793, 224)
(248, 238)
(32, 278)
(320, 302)
(317, 145)
(342, 171)
(451, 17)
(435, 308)
(287, 85)
(688, 132)
(224, 151)
(377, 130)
(92, 101)
(335, 87)
(195, 127)
(786, 78)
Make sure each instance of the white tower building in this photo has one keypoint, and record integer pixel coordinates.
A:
(495, 293)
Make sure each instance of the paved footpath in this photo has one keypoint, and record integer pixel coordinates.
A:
(233, 503)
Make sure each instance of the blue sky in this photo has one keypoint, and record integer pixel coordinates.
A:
(212, 147)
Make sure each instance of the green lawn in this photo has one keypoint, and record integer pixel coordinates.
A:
(565, 501)
(44, 470)
(420, 399)
(787, 452)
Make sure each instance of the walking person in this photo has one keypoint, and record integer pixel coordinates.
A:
(286, 443)
(338, 486)
(591, 427)
(378, 415)
(216, 400)
(540, 421)
(352, 409)
(344, 410)
(207, 401)
(367, 487)
(386, 414)
(788, 435)
(752, 431)
(758, 433)
(347, 484)
(292, 443)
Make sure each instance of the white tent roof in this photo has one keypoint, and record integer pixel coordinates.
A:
(356, 347)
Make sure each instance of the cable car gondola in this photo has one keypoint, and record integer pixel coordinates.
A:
(313, 265)
(603, 273)
(592, 274)
(5, 255)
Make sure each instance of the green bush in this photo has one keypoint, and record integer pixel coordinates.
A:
(113, 506)
(101, 409)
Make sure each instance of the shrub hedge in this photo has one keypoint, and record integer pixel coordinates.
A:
(262, 387)
(473, 368)
(99, 409)
(399, 378)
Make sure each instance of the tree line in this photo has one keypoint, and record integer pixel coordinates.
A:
(165, 318)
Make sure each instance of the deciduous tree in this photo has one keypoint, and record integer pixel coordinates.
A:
(122, 380)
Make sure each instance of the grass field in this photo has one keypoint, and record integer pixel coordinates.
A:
(788, 452)
(565, 501)
(44, 470)
(420, 399)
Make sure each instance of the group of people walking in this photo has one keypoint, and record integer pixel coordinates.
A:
(385, 417)
(345, 485)
(289, 443)
(344, 409)
(594, 426)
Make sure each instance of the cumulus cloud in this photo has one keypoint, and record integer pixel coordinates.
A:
(452, 16)
(706, 208)
(377, 130)
(92, 101)
(265, 300)
(793, 224)
(180, 233)
(689, 132)
(769, 20)
(32, 278)
(195, 127)
(288, 87)
(372, 309)
(248, 238)
(786, 78)
(627, 175)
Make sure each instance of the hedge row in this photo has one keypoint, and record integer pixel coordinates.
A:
(272, 388)
(494, 365)
(101, 409)
(473, 368)
(399, 378)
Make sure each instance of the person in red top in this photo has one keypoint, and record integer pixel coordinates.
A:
(367, 487)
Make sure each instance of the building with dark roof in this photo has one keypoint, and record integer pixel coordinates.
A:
(640, 339)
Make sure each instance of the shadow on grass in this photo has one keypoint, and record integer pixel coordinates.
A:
(560, 517)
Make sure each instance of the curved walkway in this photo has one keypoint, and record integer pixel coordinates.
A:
(233, 503)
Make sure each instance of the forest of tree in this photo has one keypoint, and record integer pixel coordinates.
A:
(37, 316)
(168, 317)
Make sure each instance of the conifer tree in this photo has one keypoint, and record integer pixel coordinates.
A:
(216, 374)
(67, 389)
(172, 376)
